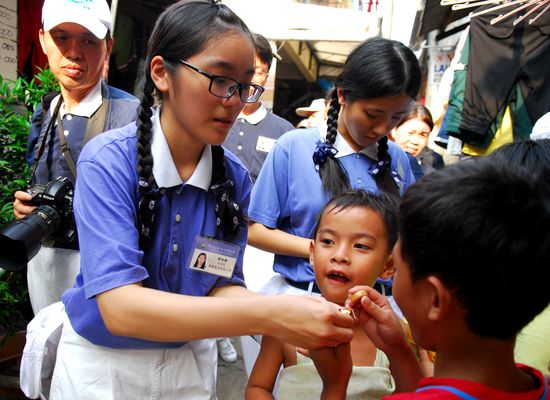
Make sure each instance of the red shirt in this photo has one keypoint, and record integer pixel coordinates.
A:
(475, 390)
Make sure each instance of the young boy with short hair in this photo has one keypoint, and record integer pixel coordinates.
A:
(466, 235)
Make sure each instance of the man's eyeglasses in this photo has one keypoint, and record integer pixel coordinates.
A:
(224, 87)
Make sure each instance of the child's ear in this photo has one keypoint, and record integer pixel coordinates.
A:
(440, 299)
(311, 251)
(389, 269)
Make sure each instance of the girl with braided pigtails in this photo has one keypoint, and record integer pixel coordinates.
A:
(308, 166)
(153, 196)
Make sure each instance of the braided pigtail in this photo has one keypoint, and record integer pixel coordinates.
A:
(382, 173)
(333, 176)
(148, 188)
(229, 217)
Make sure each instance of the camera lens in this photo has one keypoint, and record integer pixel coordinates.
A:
(20, 240)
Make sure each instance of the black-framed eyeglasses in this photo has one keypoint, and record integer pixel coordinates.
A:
(224, 87)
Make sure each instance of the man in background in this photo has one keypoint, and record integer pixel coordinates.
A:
(76, 38)
(256, 128)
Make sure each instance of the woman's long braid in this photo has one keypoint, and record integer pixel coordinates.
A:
(147, 185)
(229, 217)
(384, 179)
(144, 136)
(334, 178)
(332, 118)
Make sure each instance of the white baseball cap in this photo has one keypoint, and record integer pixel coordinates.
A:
(316, 105)
(93, 15)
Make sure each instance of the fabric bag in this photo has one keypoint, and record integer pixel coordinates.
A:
(39, 354)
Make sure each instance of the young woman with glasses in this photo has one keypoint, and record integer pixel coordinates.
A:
(155, 195)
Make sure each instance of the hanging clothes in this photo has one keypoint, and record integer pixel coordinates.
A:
(440, 102)
(505, 64)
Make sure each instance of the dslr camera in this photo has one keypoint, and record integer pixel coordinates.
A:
(53, 219)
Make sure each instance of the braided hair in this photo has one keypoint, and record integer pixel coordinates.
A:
(182, 30)
(376, 68)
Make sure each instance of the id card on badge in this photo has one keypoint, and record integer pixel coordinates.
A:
(265, 144)
(214, 256)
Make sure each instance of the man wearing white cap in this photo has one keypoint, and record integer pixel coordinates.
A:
(314, 114)
(76, 37)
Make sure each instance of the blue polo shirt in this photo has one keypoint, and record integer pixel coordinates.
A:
(106, 203)
(288, 193)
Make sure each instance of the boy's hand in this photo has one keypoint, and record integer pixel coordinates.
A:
(334, 366)
(386, 332)
(426, 364)
(21, 207)
(378, 319)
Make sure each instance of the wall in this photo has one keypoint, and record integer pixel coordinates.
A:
(8, 39)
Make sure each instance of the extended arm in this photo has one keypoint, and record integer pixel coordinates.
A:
(135, 311)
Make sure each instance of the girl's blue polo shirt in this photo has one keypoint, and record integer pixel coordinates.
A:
(288, 193)
(105, 206)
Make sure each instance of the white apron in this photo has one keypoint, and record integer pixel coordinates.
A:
(85, 371)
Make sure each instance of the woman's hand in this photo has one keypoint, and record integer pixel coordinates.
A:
(21, 206)
(309, 322)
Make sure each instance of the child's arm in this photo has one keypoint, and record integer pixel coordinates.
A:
(386, 332)
(264, 374)
(334, 366)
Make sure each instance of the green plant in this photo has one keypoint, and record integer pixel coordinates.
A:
(18, 100)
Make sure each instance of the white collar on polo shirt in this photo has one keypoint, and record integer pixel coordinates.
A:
(164, 169)
(256, 117)
(87, 106)
(344, 149)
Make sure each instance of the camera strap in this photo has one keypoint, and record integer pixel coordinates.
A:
(65, 150)
(40, 149)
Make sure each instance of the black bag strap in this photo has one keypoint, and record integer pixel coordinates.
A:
(65, 150)
(94, 127)
(40, 149)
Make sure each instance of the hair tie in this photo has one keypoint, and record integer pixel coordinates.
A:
(321, 153)
(378, 167)
(146, 211)
(229, 216)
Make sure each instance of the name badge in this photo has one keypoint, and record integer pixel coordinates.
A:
(214, 256)
(265, 144)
